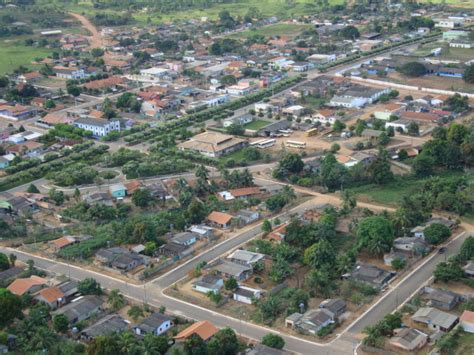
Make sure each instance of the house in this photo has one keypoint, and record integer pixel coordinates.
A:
(260, 349)
(278, 234)
(229, 269)
(310, 322)
(204, 329)
(241, 120)
(27, 286)
(442, 299)
(157, 191)
(324, 116)
(363, 158)
(119, 258)
(17, 112)
(435, 319)
(409, 339)
(220, 219)
(241, 193)
(185, 238)
(469, 269)
(302, 66)
(132, 186)
(118, 190)
(69, 73)
(98, 198)
(174, 250)
(247, 216)
(52, 296)
(467, 321)
(4, 163)
(419, 231)
(19, 205)
(81, 308)
(69, 289)
(110, 324)
(202, 231)
(245, 257)
(371, 275)
(63, 242)
(399, 125)
(246, 294)
(357, 96)
(412, 244)
(9, 274)
(98, 126)
(213, 144)
(155, 324)
(336, 306)
(208, 283)
(388, 258)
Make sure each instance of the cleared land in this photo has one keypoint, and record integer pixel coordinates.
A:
(279, 29)
(13, 55)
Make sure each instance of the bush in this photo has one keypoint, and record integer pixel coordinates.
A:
(273, 340)
(436, 233)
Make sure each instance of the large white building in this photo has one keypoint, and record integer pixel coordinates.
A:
(98, 127)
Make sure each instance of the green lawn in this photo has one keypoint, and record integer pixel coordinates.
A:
(257, 124)
(13, 55)
(392, 193)
(278, 29)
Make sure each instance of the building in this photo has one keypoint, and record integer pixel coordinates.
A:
(467, 321)
(52, 296)
(27, 286)
(213, 144)
(69, 73)
(81, 308)
(17, 112)
(435, 319)
(220, 219)
(442, 299)
(204, 329)
(99, 127)
(469, 269)
(411, 244)
(10, 274)
(358, 96)
(173, 250)
(202, 231)
(155, 324)
(247, 216)
(245, 257)
(399, 125)
(246, 294)
(119, 258)
(63, 242)
(409, 339)
(260, 349)
(241, 120)
(371, 275)
(110, 324)
(208, 283)
(118, 190)
(241, 193)
(311, 322)
(185, 238)
(336, 306)
(228, 269)
(278, 234)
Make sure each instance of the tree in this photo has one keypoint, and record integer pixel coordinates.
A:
(350, 32)
(10, 307)
(12, 259)
(379, 169)
(375, 234)
(447, 272)
(32, 189)
(398, 263)
(266, 226)
(280, 270)
(335, 148)
(413, 69)
(153, 344)
(435, 233)
(224, 342)
(320, 254)
(291, 162)
(56, 196)
(338, 126)
(194, 345)
(116, 300)
(104, 345)
(142, 197)
(89, 286)
(4, 262)
(413, 129)
(349, 202)
(60, 323)
(423, 165)
(231, 284)
(273, 340)
(97, 52)
(214, 297)
(467, 249)
(236, 129)
(468, 75)
(135, 312)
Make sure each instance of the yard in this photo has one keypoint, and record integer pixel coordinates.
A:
(257, 124)
(14, 55)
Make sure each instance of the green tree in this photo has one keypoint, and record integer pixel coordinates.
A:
(436, 233)
(320, 255)
(116, 300)
(10, 307)
(154, 345)
(413, 69)
(467, 249)
(33, 189)
(398, 263)
(135, 312)
(12, 258)
(448, 272)
(273, 340)
(413, 129)
(350, 32)
(89, 286)
(375, 234)
(224, 342)
(468, 75)
(338, 126)
(60, 323)
(104, 345)
(231, 284)
(266, 226)
(423, 165)
(4, 262)
(142, 197)
(194, 345)
(379, 169)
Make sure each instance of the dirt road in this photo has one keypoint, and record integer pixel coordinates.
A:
(95, 40)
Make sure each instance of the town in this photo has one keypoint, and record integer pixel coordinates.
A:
(230, 177)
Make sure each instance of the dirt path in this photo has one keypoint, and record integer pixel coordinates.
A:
(95, 40)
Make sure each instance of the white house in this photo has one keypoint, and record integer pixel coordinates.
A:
(155, 324)
(467, 321)
(401, 124)
(208, 283)
(241, 120)
(154, 73)
(246, 294)
(98, 127)
(69, 73)
(349, 102)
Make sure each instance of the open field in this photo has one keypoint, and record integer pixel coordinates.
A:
(13, 55)
(433, 82)
(393, 193)
(257, 124)
(279, 29)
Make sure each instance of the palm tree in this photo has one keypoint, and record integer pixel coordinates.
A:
(126, 342)
(12, 258)
(135, 312)
(116, 300)
(288, 192)
(42, 340)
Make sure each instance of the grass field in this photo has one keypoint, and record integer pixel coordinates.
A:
(13, 55)
(393, 193)
(257, 124)
(465, 344)
(279, 29)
